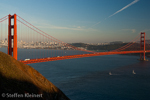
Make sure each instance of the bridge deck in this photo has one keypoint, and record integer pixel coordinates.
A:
(77, 56)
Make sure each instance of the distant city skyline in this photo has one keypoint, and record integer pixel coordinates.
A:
(86, 21)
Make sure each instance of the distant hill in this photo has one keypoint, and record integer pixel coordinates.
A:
(20, 82)
(112, 46)
(79, 44)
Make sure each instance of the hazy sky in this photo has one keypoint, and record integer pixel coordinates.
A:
(90, 21)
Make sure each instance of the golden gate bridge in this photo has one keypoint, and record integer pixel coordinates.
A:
(20, 29)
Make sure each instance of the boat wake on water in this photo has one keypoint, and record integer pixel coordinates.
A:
(110, 73)
(133, 72)
(113, 74)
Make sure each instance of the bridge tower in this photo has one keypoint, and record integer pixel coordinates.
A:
(12, 36)
(142, 45)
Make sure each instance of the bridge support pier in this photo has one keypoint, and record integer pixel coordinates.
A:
(12, 49)
(142, 46)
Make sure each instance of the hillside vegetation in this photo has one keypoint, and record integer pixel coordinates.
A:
(16, 77)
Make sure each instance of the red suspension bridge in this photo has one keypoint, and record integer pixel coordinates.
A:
(22, 34)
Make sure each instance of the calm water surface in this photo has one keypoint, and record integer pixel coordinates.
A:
(89, 79)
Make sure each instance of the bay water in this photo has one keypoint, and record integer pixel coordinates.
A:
(90, 79)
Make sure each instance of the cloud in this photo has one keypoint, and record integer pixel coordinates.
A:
(76, 28)
(96, 24)
(44, 24)
(135, 1)
(133, 30)
(130, 30)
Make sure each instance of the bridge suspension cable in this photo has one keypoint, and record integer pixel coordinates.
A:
(128, 45)
(54, 39)
(147, 41)
(49, 48)
(3, 35)
(3, 19)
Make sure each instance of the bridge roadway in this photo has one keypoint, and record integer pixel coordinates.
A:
(78, 56)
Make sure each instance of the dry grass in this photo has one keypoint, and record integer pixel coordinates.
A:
(18, 77)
